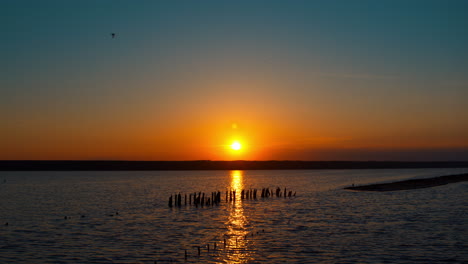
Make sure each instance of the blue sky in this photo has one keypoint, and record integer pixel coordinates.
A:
(399, 65)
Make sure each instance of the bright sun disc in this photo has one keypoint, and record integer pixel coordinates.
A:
(236, 145)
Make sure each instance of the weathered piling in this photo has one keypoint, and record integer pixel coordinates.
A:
(170, 201)
(202, 199)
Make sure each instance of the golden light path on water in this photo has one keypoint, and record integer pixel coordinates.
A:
(236, 243)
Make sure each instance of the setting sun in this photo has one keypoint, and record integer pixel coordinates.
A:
(236, 145)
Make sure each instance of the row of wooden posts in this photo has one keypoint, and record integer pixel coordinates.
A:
(200, 199)
(207, 246)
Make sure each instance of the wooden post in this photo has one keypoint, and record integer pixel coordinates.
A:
(170, 201)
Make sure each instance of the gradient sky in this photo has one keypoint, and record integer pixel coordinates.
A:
(302, 80)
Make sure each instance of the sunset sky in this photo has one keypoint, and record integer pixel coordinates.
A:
(183, 80)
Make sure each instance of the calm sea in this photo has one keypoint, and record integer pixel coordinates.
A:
(124, 217)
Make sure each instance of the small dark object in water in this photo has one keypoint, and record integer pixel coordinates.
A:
(185, 255)
(82, 216)
(65, 217)
(170, 201)
(208, 247)
(113, 35)
(6, 224)
(117, 213)
(198, 251)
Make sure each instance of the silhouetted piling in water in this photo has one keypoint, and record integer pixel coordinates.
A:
(214, 246)
(203, 199)
(185, 255)
(198, 250)
(208, 247)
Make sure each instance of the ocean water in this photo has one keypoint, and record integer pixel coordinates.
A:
(124, 217)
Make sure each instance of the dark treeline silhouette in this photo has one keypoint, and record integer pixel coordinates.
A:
(102, 165)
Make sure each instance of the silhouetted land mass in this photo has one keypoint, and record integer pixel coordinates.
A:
(81, 165)
(411, 184)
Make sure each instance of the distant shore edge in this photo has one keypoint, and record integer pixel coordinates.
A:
(113, 165)
(411, 184)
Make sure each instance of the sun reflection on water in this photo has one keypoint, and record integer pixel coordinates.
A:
(236, 242)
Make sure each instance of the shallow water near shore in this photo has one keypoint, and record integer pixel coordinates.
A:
(124, 217)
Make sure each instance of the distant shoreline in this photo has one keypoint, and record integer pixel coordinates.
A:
(102, 165)
(411, 184)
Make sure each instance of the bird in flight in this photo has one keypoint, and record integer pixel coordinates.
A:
(113, 35)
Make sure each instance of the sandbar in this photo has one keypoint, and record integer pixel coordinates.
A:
(411, 184)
